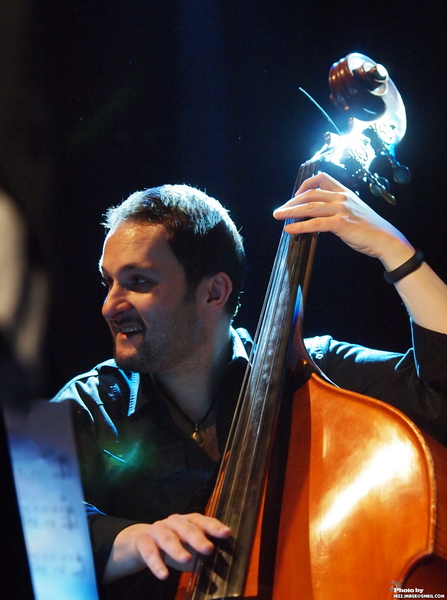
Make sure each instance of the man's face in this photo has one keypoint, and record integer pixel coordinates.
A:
(154, 323)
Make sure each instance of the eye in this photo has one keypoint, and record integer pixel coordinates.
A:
(139, 283)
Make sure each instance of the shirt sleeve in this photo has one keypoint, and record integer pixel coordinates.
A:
(103, 531)
(85, 397)
(414, 382)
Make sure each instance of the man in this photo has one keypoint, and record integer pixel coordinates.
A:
(151, 426)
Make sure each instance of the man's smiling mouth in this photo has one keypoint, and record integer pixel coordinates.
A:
(128, 330)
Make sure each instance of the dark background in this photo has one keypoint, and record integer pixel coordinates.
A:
(100, 98)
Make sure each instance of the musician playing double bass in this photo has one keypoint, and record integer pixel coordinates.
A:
(151, 424)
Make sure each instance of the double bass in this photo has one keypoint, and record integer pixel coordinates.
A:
(330, 495)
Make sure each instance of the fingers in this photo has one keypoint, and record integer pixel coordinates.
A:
(210, 525)
(323, 204)
(313, 203)
(322, 181)
(150, 553)
(177, 539)
(317, 196)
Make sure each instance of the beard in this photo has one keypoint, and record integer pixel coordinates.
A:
(167, 344)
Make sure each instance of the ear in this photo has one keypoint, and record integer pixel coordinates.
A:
(215, 290)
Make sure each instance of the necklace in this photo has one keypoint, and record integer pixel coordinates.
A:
(196, 435)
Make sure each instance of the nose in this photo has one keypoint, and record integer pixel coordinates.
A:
(116, 303)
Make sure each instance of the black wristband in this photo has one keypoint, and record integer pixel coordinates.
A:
(408, 267)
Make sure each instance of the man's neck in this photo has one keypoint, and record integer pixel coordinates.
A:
(192, 388)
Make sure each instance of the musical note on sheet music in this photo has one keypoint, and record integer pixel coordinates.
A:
(50, 500)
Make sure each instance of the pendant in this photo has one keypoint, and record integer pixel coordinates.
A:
(197, 437)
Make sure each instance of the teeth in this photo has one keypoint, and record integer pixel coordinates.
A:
(129, 329)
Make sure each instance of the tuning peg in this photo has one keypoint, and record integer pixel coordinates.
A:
(401, 174)
(380, 186)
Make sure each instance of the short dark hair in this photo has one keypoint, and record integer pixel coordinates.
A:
(202, 236)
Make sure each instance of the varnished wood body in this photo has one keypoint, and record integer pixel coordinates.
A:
(360, 507)
(431, 572)
(364, 504)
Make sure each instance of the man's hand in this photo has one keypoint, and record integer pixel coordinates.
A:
(171, 542)
(327, 205)
(324, 204)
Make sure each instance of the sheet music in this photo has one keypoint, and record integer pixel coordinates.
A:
(50, 500)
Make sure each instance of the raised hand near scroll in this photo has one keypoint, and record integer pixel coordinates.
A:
(322, 204)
